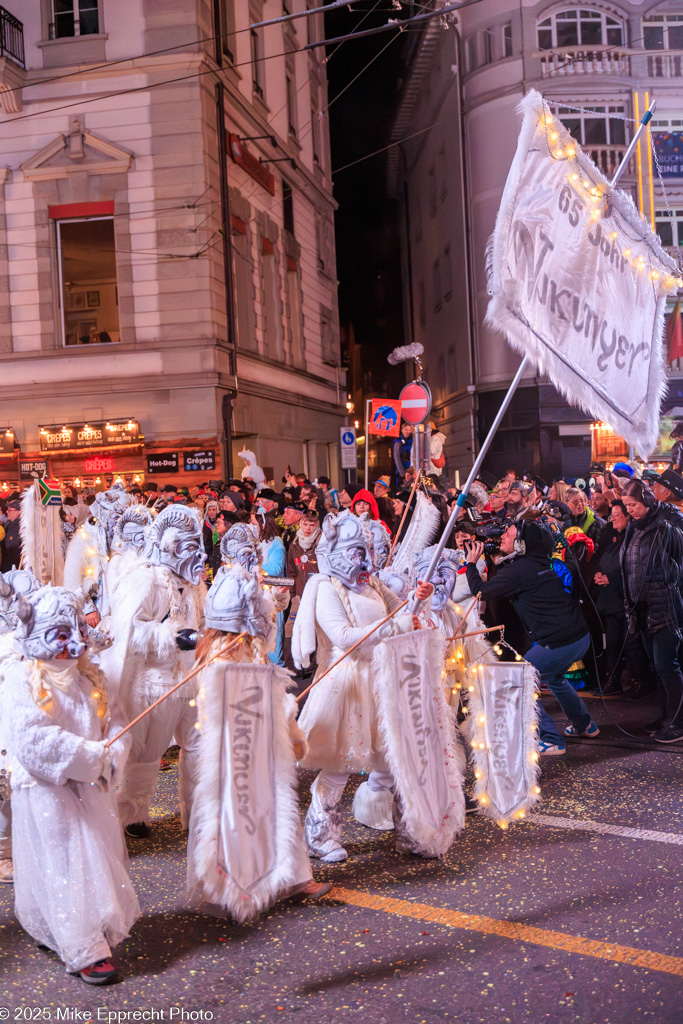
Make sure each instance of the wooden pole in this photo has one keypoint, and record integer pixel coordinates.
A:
(464, 618)
(357, 644)
(477, 632)
(403, 519)
(202, 664)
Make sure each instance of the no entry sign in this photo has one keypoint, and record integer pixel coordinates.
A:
(416, 402)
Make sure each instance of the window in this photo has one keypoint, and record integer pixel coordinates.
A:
(330, 349)
(243, 282)
(294, 313)
(597, 128)
(436, 282)
(271, 302)
(87, 277)
(579, 28)
(256, 63)
(291, 100)
(663, 32)
(507, 40)
(288, 207)
(315, 134)
(74, 18)
(669, 227)
(224, 29)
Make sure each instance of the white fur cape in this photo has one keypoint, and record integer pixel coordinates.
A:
(261, 854)
(421, 729)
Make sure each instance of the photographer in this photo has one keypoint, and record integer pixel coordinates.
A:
(551, 616)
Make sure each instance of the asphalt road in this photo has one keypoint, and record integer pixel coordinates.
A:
(573, 915)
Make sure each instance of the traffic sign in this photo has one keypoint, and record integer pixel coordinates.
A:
(347, 447)
(416, 402)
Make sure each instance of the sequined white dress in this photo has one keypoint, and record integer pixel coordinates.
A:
(72, 888)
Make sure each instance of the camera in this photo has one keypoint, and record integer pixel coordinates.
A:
(488, 529)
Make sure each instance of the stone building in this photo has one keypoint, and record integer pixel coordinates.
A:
(167, 262)
(463, 85)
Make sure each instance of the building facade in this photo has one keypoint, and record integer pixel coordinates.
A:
(167, 262)
(598, 65)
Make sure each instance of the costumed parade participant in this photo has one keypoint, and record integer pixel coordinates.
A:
(246, 847)
(341, 718)
(89, 550)
(72, 889)
(439, 612)
(13, 584)
(128, 543)
(155, 601)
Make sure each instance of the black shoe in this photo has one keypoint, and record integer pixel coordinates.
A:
(471, 806)
(138, 830)
(638, 693)
(652, 727)
(674, 734)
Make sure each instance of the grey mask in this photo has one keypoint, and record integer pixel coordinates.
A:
(240, 547)
(345, 550)
(443, 577)
(49, 622)
(175, 540)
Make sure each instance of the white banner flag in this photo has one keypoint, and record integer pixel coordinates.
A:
(246, 842)
(419, 735)
(502, 725)
(579, 280)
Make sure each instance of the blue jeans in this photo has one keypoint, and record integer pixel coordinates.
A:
(552, 665)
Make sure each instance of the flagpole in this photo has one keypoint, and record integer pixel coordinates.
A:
(462, 497)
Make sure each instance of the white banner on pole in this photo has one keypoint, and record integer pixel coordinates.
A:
(420, 740)
(579, 281)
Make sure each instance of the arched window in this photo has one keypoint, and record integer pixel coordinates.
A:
(579, 27)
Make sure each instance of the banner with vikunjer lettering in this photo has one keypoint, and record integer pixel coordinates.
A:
(420, 740)
(246, 841)
(579, 280)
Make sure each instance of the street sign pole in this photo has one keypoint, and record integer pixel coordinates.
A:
(368, 406)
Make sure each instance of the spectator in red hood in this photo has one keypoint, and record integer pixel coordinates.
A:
(364, 501)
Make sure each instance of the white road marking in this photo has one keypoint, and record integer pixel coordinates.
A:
(611, 830)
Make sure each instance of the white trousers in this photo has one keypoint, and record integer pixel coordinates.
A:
(5, 830)
(151, 737)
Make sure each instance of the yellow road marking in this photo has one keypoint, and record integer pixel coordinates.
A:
(513, 930)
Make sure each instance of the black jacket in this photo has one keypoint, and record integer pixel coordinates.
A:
(11, 546)
(609, 599)
(551, 615)
(652, 583)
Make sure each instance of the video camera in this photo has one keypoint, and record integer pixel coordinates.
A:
(488, 529)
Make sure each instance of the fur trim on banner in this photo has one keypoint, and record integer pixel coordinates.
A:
(430, 840)
(639, 427)
(421, 532)
(204, 869)
(528, 737)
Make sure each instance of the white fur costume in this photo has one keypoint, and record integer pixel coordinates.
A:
(152, 604)
(87, 555)
(340, 716)
(72, 889)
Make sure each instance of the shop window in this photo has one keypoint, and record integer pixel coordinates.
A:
(579, 28)
(74, 18)
(88, 286)
(669, 227)
(663, 32)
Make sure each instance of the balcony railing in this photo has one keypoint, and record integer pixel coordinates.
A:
(11, 38)
(610, 60)
(577, 60)
(676, 253)
(608, 158)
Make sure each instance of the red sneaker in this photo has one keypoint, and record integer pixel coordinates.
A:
(101, 973)
(165, 766)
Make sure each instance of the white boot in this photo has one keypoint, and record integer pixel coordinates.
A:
(323, 826)
(372, 807)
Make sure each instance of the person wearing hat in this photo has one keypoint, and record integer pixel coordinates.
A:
(668, 487)
(11, 542)
(381, 487)
(291, 520)
(231, 501)
(267, 500)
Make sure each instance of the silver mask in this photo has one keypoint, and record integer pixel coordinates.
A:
(381, 541)
(49, 622)
(236, 602)
(175, 540)
(109, 506)
(443, 578)
(129, 531)
(239, 546)
(345, 550)
(14, 583)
